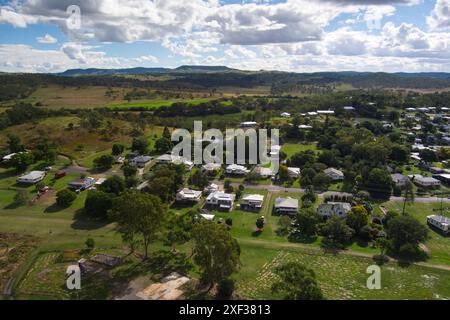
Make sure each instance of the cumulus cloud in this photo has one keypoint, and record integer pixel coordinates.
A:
(440, 17)
(47, 39)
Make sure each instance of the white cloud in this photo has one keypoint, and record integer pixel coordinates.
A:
(440, 17)
(47, 39)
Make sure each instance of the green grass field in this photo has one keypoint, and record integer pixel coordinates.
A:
(155, 104)
(292, 148)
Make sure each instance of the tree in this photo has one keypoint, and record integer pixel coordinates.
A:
(408, 194)
(179, 229)
(129, 171)
(260, 223)
(302, 158)
(225, 289)
(283, 174)
(215, 252)
(21, 198)
(199, 179)
(428, 155)
(114, 184)
(104, 162)
(357, 218)
(21, 161)
(308, 221)
(321, 181)
(296, 283)
(14, 143)
(138, 215)
(98, 203)
(379, 183)
(90, 243)
(404, 229)
(65, 197)
(140, 145)
(337, 231)
(163, 145)
(117, 149)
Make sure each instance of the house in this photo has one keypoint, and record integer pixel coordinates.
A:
(235, 169)
(399, 179)
(211, 188)
(339, 209)
(304, 127)
(99, 182)
(349, 108)
(444, 178)
(312, 114)
(325, 112)
(32, 177)
(82, 184)
(264, 172)
(334, 174)
(294, 173)
(275, 151)
(425, 182)
(119, 160)
(436, 170)
(8, 157)
(439, 222)
(221, 200)
(211, 167)
(285, 115)
(252, 202)
(249, 125)
(168, 159)
(411, 109)
(286, 206)
(188, 195)
(141, 161)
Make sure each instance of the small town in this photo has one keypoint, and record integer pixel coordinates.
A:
(321, 172)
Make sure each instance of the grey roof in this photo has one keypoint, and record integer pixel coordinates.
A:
(286, 203)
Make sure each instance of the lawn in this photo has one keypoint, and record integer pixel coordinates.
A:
(437, 244)
(340, 277)
(292, 148)
(155, 104)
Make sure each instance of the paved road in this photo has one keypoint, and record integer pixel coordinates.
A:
(275, 188)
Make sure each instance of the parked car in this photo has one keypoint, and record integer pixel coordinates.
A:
(60, 174)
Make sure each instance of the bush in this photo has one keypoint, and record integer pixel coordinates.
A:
(225, 289)
(90, 243)
(64, 198)
(21, 198)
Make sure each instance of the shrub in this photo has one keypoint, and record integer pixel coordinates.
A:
(225, 289)
(64, 198)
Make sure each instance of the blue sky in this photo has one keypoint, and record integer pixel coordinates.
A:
(288, 35)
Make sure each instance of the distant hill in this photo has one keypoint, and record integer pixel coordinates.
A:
(137, 71)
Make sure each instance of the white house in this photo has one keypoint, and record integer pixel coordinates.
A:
(334, 174)
(249, 125)
(349, 108)
(140, 161)
(221, 200)
(304, 127)
(8, 157)
(339, 209)
(425, 182)
(325, 112)
(211, 167)
(236, 169)
(285, 115)
(286, 206)
(312, 114)
(32, 177)
(188, 195)
(168, 158)
(294, 172)
(439, 222)
(211, 188)
(252, 202)
(264, 172)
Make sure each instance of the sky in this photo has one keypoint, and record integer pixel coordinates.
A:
(286, 35)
